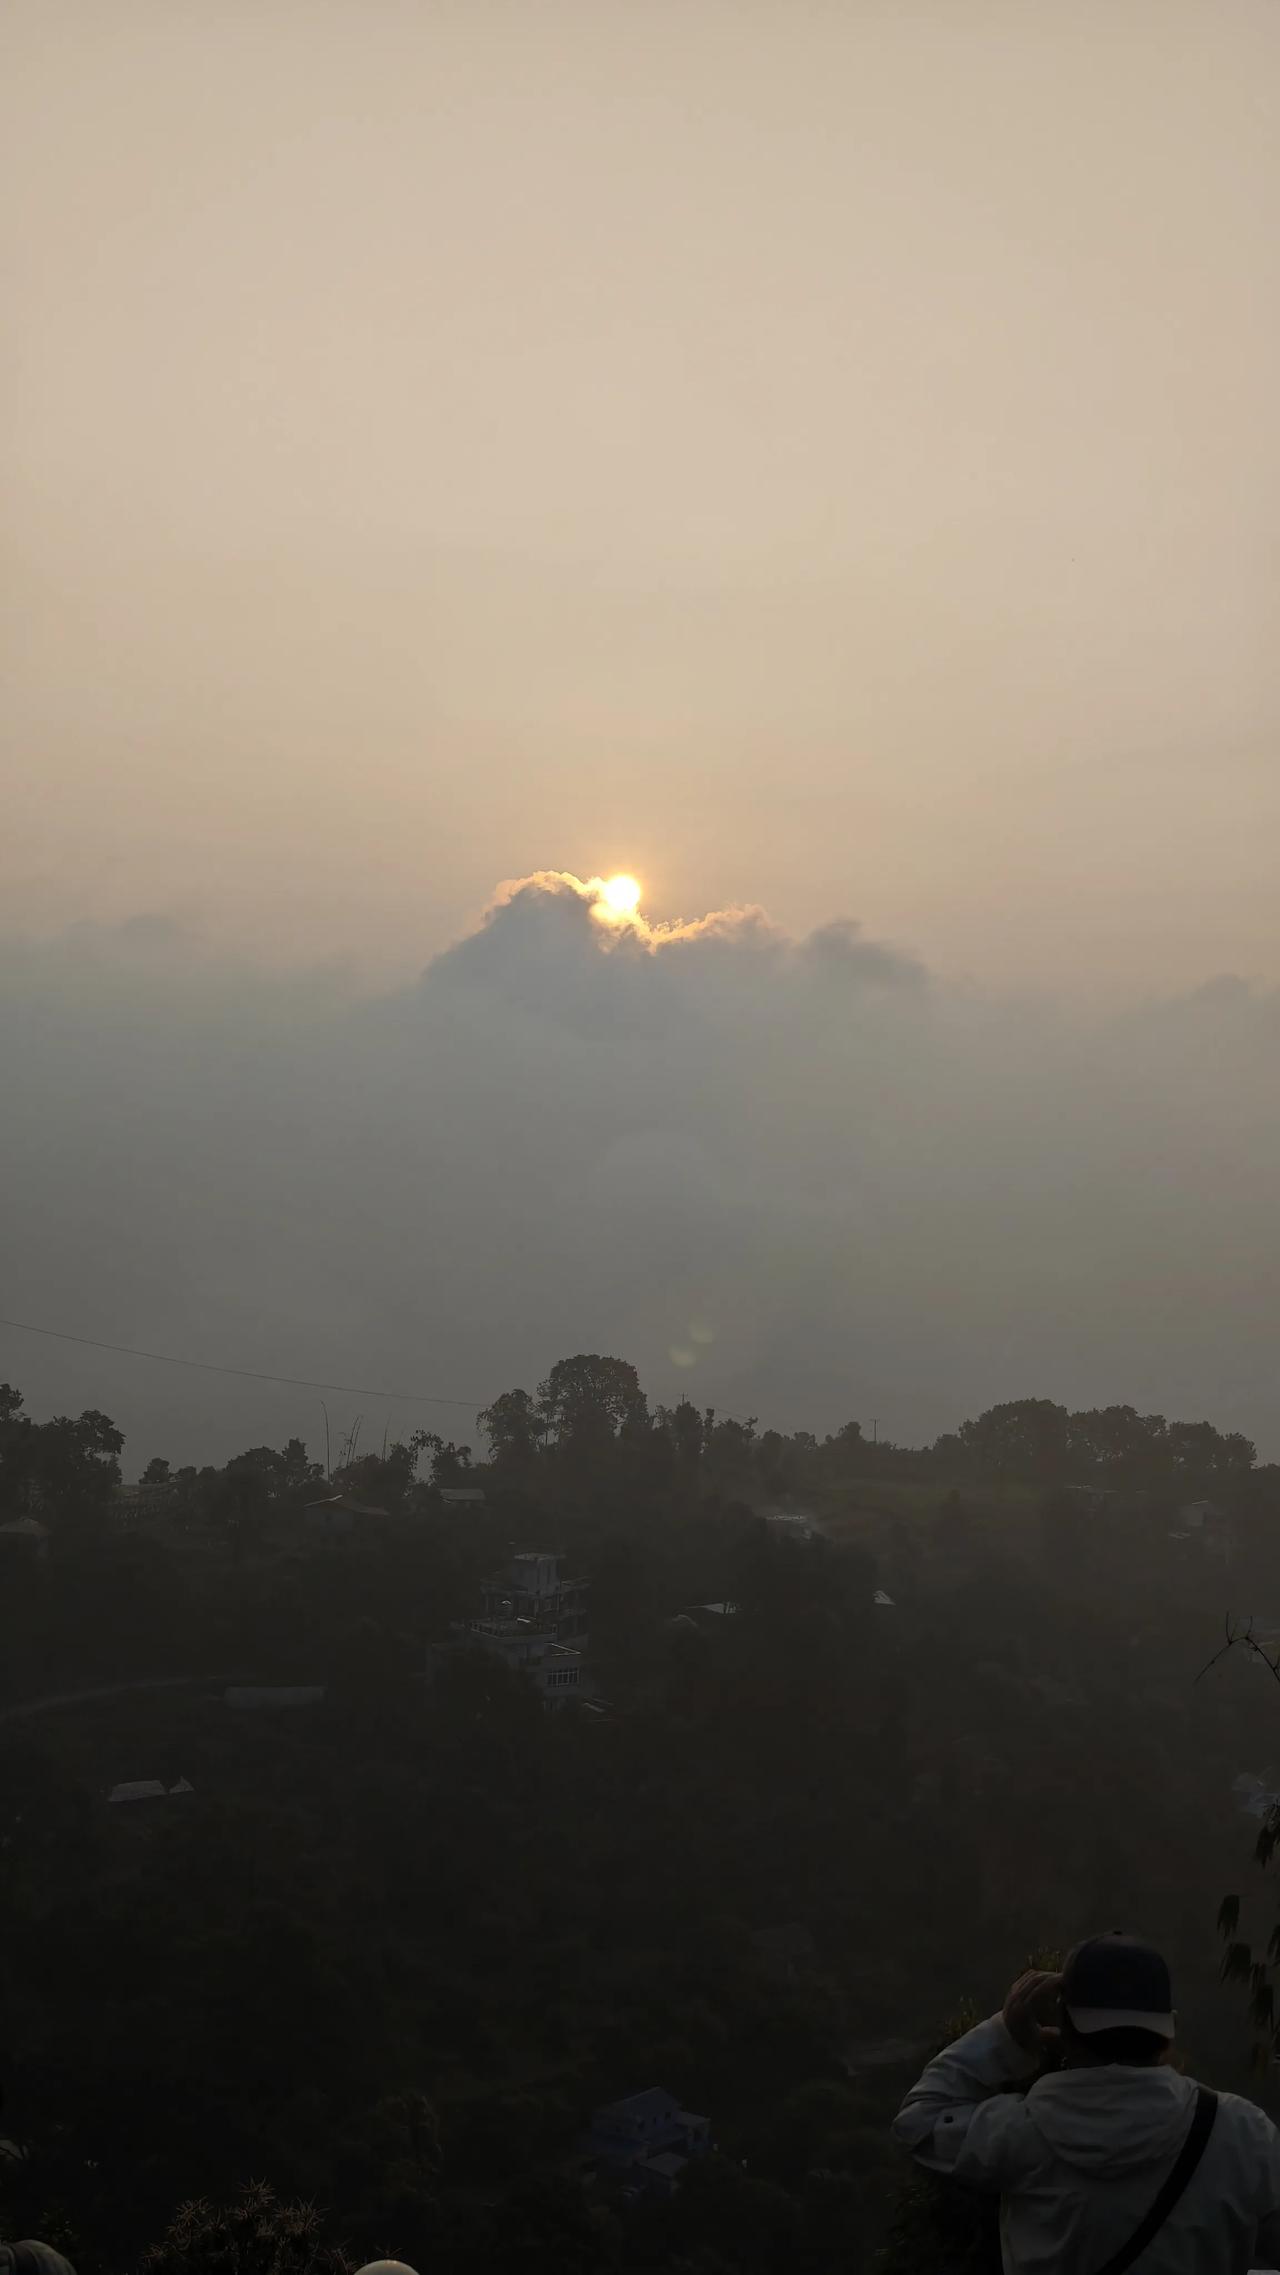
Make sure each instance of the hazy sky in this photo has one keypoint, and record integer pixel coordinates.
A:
(820, 457)
(816, 454)
(799, 1177)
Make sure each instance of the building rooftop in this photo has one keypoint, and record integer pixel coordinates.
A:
(655, 2101)
(345, 1504)
(148, 1789)
(264, 1694)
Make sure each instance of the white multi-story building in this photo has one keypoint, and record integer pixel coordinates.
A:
(534, 1587)
(535, 1619)
(554, 1670)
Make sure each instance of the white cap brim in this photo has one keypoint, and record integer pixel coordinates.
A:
(1087, 2019)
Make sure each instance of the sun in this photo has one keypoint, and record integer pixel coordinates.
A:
(621, 895)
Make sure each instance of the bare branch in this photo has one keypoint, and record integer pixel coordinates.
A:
(1250, 1643)
(1232, 1639)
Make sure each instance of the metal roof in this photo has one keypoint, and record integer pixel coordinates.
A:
(344, 1504)
(149, 1789)
(249, 1694)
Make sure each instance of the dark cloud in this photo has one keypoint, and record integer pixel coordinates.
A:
(799, 1177)
(841, 949)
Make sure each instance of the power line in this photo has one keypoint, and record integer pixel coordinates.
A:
(245, 1374)
(255, 1375)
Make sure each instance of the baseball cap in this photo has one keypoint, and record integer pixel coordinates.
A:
(1117, 1982)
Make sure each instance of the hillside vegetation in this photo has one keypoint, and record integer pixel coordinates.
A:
(392, 1950)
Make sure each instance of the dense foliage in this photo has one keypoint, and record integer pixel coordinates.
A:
(390, 1952)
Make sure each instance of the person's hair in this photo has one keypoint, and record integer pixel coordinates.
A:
(1126, 2044)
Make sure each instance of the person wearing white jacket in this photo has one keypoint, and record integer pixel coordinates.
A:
(1110, 2158)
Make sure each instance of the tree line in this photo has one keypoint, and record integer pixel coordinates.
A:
(396, 1949)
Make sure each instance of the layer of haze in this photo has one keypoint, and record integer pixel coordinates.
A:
(821, 453)
(791, 1176)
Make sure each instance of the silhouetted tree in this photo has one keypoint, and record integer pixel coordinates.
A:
(514, 1428)
(63, 1471)
(589, 1398)
(1025, 1438)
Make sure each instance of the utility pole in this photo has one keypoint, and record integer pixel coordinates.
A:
(875, 1429)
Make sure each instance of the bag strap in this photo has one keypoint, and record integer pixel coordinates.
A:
(1188, 2158)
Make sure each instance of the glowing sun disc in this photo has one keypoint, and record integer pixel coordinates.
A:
(621, 895)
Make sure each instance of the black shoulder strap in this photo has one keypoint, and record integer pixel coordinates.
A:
(1188, 2158)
